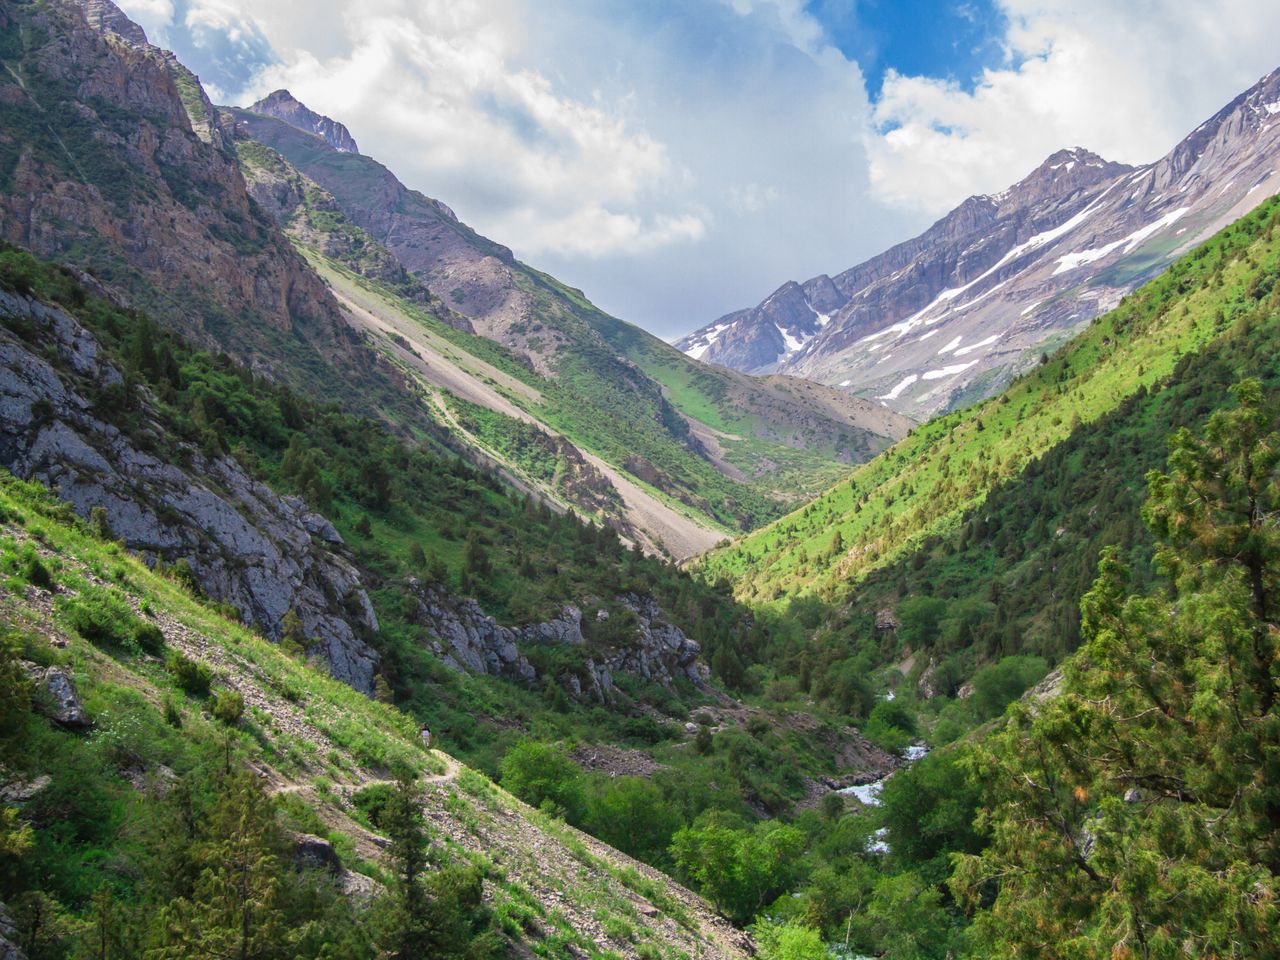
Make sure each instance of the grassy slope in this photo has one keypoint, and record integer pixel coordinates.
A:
(317, 742)
(922, 486)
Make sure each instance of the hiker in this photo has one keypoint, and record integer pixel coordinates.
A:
(425, 733)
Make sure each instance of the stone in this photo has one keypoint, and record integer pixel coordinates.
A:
(63, 704)
(23, 791)
(315, 853)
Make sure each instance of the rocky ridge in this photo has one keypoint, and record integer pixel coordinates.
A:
(467, 639)
(953, 314)
(116, 163)
(282, 105)
(262, 553)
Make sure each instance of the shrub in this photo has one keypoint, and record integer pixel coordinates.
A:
(35, 572)
(100, 617)
(372, 801)
(149, 638)
(228, 708)
(191, 677)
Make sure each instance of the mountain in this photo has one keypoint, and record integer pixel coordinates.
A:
(952, 315)
(724, 446)
(895, 507)
(283, 106)
(113, 160)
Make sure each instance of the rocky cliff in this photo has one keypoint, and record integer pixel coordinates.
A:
(167, 500)
(112, 159)
(651, 648)
(952, 315)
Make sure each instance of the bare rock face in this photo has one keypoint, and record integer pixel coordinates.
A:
(282, 105)
(8, 934)
(467, 639)
(140, 187)
(953, 314)
(62, 700)
(246, 546)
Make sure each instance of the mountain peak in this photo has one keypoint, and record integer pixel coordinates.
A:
(284, 106)
(105, 17)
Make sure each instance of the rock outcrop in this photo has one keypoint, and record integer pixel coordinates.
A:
(246, 546)
(282, 105)
(467, 639)
(122, 170)
(8, 934)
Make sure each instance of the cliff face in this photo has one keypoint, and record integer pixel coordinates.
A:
(246, 546)
(112, 159)
(650, 647)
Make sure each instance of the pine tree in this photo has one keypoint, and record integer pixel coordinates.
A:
(1139, 813)
(234, 911)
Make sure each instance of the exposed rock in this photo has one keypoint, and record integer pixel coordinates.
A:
(246, 546)
(925, 686)
(356, 886)
(62, 702)
(23, 791)
(885, 620)
(282, 105)
(162, 208)
(315, 853)
(9, 933)
(468, 639)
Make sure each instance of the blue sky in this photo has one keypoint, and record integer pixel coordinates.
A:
(678, 159)
(926, 38)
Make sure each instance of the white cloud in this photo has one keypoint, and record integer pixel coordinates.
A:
(677, 160)
(1125, 80)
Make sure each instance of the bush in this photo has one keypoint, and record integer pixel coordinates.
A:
(35, 572)
(372, 801)
(149, 638)
(100, 617)
(191, 677)
(228, 708)
(543, 776)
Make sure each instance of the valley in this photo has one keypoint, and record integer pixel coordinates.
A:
(756, 645)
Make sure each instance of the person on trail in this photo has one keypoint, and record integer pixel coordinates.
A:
(425, 734)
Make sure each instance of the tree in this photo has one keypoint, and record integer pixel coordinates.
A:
(788, 941)
(740, 870)
(1139, 813)
(234, 911)
(542, 775)
(630, 813)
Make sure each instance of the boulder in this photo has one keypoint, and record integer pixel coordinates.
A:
(62, 703)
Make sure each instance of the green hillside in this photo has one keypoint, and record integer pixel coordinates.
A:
(922, 486)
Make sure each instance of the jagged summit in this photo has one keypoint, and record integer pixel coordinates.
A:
(283, 105)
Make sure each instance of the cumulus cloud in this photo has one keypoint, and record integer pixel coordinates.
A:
(1125, 80)
(676, 159)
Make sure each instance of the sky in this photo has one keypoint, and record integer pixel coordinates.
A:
(678, 159)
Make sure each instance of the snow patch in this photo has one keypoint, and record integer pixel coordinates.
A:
(793, 343)
(1027, 310)
(978, 346)
(1272, 108)
(951, 346)
(950, 371)
(897, 391)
